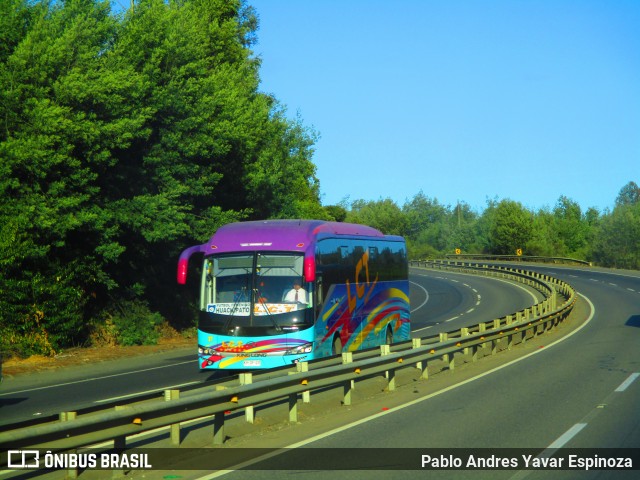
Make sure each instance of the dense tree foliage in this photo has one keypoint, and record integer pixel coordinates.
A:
(125, 138)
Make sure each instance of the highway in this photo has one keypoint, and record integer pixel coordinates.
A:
(440, 302)
(582, 391)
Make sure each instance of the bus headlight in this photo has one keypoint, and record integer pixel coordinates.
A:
(304, 348)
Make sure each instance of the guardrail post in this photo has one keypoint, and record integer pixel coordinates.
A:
(464, 332)
(508, 323)
(67, 417)
(218, 428)
(174, 432)
(444, 336)
(293, 408)
(347, 357)
(494, 343)
(390, 374)
(482, 327)
(119, 443)
(304, 367)
(422, 364)
(247, 379)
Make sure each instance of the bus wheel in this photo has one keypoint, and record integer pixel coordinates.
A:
(337, 346)
(389, 337)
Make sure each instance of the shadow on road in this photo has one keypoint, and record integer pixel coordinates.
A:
(634, 321)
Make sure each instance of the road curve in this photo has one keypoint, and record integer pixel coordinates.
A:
(582, 392)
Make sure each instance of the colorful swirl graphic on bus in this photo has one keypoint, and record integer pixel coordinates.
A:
(266, 352)
(364, 327)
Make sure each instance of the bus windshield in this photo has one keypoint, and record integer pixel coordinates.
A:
(256, 293)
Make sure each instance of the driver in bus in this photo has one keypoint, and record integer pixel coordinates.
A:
(296, 294)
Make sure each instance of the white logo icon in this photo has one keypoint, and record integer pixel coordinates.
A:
(23, 459)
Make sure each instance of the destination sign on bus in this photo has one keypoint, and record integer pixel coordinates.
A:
(242, 309)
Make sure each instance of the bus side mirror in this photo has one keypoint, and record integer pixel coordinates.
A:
(183, 263)
(183, 266)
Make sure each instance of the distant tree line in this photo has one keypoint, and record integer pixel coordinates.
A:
(126, 137)
(610, 238)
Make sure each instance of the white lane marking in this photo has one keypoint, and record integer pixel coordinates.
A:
(563, 439)
(631, 290)
(426, 299)
(424, 328)
(535, 299)
(452, 318)
(470, 310)
(321, 436)
(160, 389)
(96, 378)
(624, 385)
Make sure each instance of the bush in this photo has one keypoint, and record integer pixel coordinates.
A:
(26, 337)
(132, 323)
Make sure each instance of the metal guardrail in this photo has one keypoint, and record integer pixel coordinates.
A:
(517, 258)
(247, 391)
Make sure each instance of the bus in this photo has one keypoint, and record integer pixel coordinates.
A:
(279, 292)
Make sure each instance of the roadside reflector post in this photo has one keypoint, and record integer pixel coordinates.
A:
(174, 431)
(347, 357)
(304, 367)
(68, 417)
(247, 379)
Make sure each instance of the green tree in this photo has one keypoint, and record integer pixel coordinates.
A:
(383, 214)
(511, 227)
(126, 138)
(629, 194)
(570, 227)
(427, 226)
(617, 241)
(50, 152)
(544, 240)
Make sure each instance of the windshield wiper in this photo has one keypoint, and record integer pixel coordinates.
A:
(257, 296)
(236, 304)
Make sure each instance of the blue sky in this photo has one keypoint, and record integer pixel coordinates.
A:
(462, 100)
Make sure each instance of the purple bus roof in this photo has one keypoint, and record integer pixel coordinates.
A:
(286, 235)
(274, 235)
